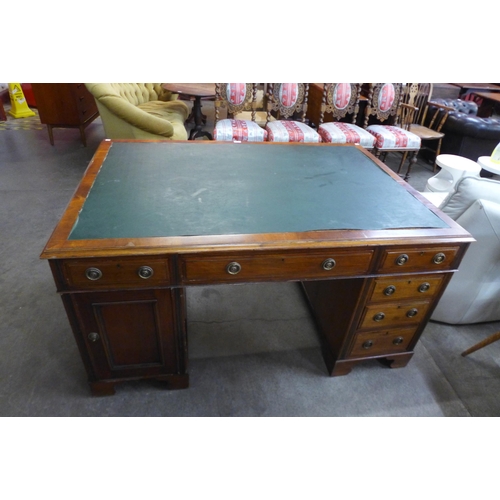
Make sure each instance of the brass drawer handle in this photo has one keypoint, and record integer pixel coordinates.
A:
(379, 316)
(145, 272)
(328, 264)
(398, 341)
(93, 273)
(390, 290)
(439, 258)
(93, 336)
(412, 313)
(402, 259)
(367, 344)
(424, 287)
(233, 268)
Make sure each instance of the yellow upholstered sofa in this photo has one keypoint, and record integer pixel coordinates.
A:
(139, 111)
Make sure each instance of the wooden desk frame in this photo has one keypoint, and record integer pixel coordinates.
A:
(372, 302)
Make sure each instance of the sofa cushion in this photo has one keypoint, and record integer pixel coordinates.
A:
(467, 191)
(290, 131)
(239, 130)
(346, 133)
(391, 137)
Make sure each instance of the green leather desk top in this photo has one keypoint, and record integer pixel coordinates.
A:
(185, 189)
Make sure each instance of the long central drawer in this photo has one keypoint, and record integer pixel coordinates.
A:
(274, 266)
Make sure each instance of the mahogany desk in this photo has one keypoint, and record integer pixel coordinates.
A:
(151, 218)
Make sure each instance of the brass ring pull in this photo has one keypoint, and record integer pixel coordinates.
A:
(390, 290)
(145, 272)
(402, 259)
(398, 341)
(93, 274)
(93, 336)
(412, 313)
(328, 264)
(439, 258)
(424, 287)
(233, 268)
(379, 316)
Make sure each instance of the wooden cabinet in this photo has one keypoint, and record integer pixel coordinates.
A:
(65, 105)
(130, 334)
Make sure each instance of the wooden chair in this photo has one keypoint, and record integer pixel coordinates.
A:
(341, 100)
(237, 98)
(487, 341)
(427, 125)
(384, 105)
(287, 103)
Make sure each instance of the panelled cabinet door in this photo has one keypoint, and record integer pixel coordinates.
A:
(131, 334)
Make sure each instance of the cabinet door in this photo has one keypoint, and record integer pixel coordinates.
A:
(132, 334)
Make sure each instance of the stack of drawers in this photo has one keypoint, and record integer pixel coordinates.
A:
(393, 313)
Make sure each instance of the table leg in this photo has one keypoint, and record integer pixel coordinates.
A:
(197, 130)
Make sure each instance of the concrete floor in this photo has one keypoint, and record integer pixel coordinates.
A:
(253, 348)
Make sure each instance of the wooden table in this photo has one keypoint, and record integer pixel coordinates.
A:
(152, 218)
(488, 100)
(197, 91)
(467, 88)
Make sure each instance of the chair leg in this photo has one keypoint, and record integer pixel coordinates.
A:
(483, 343)
(438, 152)
(413, 160)
(403, 159)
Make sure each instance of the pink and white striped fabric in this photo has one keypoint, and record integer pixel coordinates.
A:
(236, 93)
(290, 131)
(239, 130)
(289, 93)
(346, 133)
(390, 137)
(386, 97)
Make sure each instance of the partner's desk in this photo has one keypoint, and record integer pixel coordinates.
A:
(151, 218)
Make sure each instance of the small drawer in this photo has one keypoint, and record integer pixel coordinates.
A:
(396, 288)
(421, 259)
(392, 314)
(136, 272)
(270, 267)
(380, 342)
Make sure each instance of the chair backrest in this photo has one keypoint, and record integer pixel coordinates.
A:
(406, 115)
(418, 94)
(340, 99)
(436, 115)
(287, 101)
(235, 97)
(384, 100)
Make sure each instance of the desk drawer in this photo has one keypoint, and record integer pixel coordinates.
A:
(418, 259)
(134, 272)
(388, 315)
(269, 267)
(380, 342)
(411, 287)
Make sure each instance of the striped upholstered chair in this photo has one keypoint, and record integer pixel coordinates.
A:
(287, 102)
(237, 98)
(341, 101)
